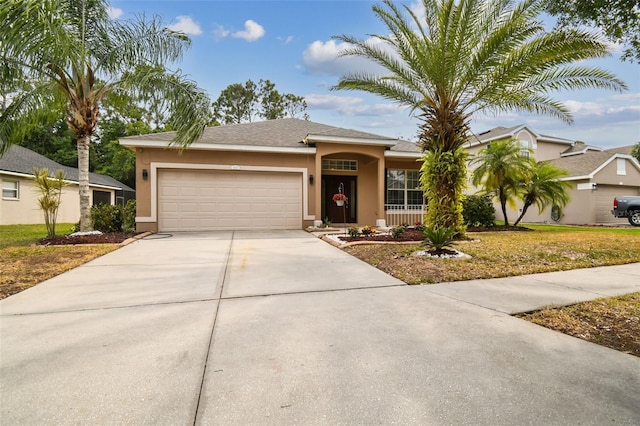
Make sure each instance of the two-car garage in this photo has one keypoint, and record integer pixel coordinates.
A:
(210, 200)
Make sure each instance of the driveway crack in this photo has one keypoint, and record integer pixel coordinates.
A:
(222, 280)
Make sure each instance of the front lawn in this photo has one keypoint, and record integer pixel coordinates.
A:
(25, 264)
(501, 254)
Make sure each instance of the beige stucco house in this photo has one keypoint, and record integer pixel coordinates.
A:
(282, 174)
(19, 202)
(596, 175)
(275, 174)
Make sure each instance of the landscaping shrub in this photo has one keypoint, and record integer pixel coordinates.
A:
(353, 231)
(478, 210)
(439, 238)
(129, 216)
(366, 230)
(397, 231)
(107, 217)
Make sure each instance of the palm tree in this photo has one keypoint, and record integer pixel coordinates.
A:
(500, 170)
(542, 186)
(466, 56)
(71, 51)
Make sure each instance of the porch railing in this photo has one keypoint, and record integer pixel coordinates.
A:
(403, 215)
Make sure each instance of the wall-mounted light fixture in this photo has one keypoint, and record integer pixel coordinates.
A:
(311, 179)
(145, 174)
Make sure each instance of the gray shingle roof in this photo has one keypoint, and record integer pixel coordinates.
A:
(587, 163)
(282, 133)
(579, 148)
(18, 159)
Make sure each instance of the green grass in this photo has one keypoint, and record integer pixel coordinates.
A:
(602, 229)
(25, 235)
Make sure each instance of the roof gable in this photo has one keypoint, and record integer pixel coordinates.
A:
(591, 162)
(511, 132)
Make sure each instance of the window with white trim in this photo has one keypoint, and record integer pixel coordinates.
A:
(10, 190)
(524, 148)
(403, 188)
(344, 165)
(621, 166)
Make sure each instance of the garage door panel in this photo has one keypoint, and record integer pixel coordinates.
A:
(604, 201)
(228, 200)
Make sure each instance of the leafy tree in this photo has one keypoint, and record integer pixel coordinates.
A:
(636, 151)
(236, 104)
(466, 56)
(243, 103)
(63, 45)
(500, 169)
(619, 20)
(50, 190)
(542, 186)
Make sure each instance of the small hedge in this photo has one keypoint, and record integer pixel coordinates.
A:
(478, 210)
(114, 218)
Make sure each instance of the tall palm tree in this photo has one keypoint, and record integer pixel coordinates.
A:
(542, 186)
(500, 170)
(465, 56)
(71, 50)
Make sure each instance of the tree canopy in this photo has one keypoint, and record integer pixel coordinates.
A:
(619, 20)
(240, 103)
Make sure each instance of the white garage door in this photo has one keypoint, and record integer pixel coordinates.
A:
(604, 201)
(210, 200)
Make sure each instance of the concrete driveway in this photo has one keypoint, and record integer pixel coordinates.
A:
(282, 328)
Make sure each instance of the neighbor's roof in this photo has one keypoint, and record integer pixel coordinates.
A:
(504, 132)
(579, 148)
(589, 162)
(21, 161)
(280, 133)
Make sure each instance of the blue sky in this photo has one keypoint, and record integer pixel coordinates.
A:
(289, 43)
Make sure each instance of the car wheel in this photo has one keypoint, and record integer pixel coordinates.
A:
(634, 218)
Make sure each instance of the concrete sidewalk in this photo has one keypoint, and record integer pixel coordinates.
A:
(282, 328)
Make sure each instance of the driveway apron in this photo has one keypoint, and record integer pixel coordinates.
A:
(273, 328)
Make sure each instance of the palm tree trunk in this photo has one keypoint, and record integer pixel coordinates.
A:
(503, 204)
(527, 204)
(83, 183)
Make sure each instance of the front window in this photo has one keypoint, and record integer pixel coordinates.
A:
(403, 188)
(10, 190)
(524, 148)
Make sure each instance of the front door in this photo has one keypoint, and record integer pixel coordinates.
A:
(331, 185)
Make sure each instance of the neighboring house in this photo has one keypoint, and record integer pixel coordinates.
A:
(19, 204)
(597, 175)
(274, 174)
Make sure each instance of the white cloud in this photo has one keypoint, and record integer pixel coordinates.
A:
(286, 40)
(252, 31)
(324, 58)
(350, 105)
(186, 25)
(220, 32)
(114, 12)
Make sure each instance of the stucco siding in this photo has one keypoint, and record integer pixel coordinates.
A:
(25, 210)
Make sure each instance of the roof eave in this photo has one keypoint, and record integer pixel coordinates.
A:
(312, 138)
(218, 147)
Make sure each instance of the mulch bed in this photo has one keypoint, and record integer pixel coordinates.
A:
(108, 238)
(415, 235)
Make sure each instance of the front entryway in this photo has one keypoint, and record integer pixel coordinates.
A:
(331, 185)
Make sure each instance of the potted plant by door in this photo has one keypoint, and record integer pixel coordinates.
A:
(339, 199)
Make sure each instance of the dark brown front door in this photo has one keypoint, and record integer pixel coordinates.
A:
(330, 186)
